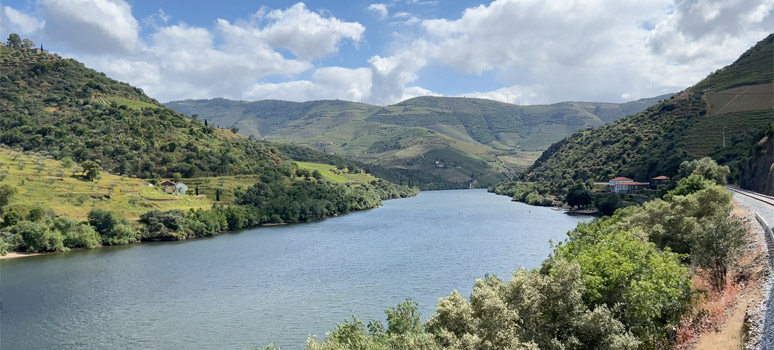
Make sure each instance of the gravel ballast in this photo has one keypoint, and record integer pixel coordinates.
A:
(761, 319)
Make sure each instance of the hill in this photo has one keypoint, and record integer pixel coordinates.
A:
(56, 112)
(456, 140)
(722, 116)
(60, 107)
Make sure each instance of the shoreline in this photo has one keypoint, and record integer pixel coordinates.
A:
(17, 255)
(13, 255)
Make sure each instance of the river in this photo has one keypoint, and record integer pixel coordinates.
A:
(277, 284)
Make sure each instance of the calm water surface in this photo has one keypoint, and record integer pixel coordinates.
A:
(268, 284)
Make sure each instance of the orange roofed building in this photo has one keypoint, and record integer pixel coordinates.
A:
(626, 185)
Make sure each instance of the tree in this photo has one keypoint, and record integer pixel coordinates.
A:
(6, 193)
(67, 162)
(716, 246)
(177, 176)
(28, 44)
(14, 41)
(578, 196)
(102, 220)
(90, 169)
(705, 167)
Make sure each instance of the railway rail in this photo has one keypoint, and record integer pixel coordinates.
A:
(754, 195)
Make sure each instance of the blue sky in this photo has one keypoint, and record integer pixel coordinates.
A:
(382, 52)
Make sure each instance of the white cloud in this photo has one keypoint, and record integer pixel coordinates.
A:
(92, 26)
(307, 34)
(379, 9)
(15, 21)
(704, 29)
(512, 94)
(157, 19)
(390, 75)
(327, 83)
(531, 51)
(405, 18)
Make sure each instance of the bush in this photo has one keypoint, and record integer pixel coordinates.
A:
(37, 237)
(76, 235)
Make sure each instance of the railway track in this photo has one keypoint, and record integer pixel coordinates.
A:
(754, 195)
(766, 326)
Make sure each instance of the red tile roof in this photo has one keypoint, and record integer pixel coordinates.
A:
(632, 183)
(621, 179)
(662, 177)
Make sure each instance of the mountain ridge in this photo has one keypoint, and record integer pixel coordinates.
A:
(461, 140)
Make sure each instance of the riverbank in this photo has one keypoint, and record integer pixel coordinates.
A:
(19, 255)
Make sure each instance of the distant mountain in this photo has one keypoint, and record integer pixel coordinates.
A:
(459, 140)
(722, 116)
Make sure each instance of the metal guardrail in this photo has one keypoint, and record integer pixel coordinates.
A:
(766, 227)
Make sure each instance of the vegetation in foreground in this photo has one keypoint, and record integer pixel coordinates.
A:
(619, 282)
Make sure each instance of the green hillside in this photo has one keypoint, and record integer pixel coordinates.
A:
(721, 117)
(64, 109)
(454, 140)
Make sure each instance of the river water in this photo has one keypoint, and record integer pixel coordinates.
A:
(271, 284)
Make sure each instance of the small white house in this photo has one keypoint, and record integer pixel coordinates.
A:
(174, 187)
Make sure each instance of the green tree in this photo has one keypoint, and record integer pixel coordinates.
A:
(578, 195)
(6, 193)
(14, 41)
(90, 169)
(716, 247)
(102, 220)
(28, 44)
(705, 167)
(67, 162)
(622, 269)
(38, 237)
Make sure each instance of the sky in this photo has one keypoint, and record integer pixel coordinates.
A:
(386, 51)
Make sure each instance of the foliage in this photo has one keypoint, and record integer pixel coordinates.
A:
(532, 193)
(403, 332)
(689, 185)
(14, 41)
(90, 169)
(608, 203)
(76, 234)
(35, 237)
(716, 246)
(532, 311)
(578, 195)
(112, 230)
(83, 115)
(622, 270)
(6, 193)
(705, 167)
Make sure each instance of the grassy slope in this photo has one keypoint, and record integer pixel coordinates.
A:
(656, 140)
(480, 139)
(43, 181)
